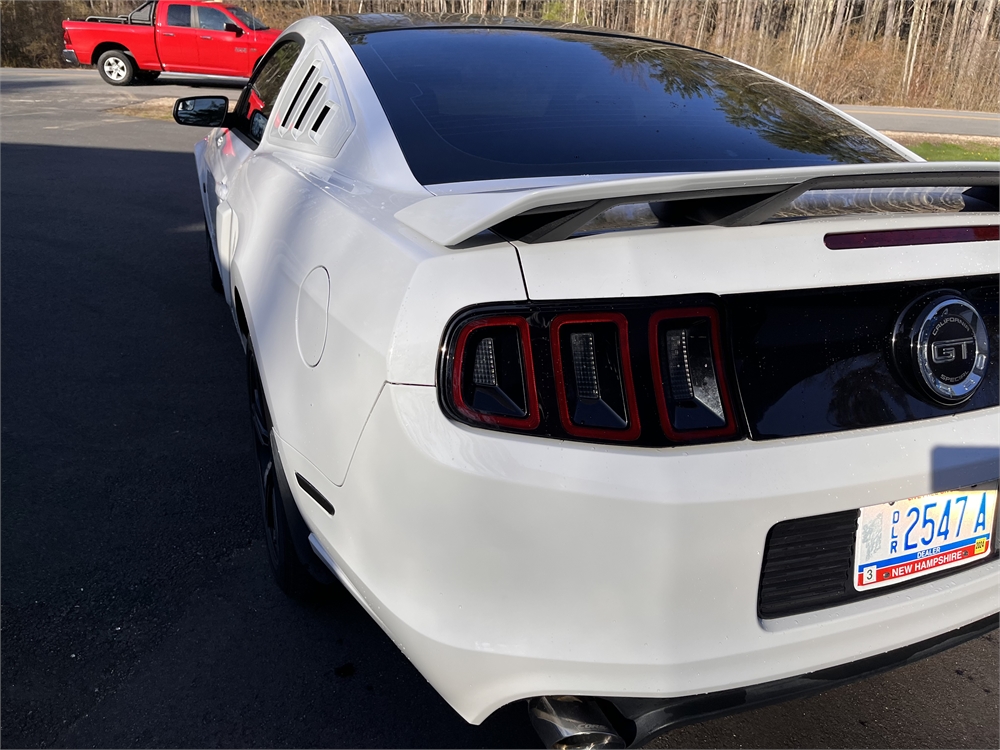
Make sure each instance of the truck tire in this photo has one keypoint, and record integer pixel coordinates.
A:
(116, 67)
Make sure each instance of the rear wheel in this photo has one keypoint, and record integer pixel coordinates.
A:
(116, 67)
(291, 575)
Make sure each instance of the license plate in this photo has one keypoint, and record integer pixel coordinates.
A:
(907, 539)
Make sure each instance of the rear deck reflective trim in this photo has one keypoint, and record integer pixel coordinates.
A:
(899, 237)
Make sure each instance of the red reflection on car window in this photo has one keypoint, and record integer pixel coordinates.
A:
(256, 103)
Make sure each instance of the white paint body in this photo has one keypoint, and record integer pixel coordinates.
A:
(508, 566)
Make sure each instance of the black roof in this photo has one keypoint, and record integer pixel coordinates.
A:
(368, 23)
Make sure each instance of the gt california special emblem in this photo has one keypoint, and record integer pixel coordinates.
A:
(941, 340)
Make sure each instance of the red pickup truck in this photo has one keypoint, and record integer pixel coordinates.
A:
(197, 37)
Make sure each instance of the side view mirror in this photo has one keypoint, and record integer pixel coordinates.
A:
(234, 29)
(201, 111)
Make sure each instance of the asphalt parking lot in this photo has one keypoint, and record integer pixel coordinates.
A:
(137, 604)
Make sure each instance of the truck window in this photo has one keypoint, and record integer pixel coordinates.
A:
(179, 15)
(259, 97)
(252, 23)
(212, 19)
(143, 15)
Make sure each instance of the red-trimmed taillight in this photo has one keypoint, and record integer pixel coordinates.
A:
(593, 376)
(493, 373)
(642, 372)
(688, 375)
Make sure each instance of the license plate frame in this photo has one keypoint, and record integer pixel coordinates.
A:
(894, 545)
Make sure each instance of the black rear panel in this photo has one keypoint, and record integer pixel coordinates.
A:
(808, 564)
(817, 361)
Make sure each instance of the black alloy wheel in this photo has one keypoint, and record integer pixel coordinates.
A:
(291, 575)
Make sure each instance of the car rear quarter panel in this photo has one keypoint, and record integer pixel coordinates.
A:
(290, 226)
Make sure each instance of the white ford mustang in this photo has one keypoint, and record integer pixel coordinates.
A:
(604, 372)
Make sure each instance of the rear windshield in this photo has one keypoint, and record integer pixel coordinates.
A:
(485, 104)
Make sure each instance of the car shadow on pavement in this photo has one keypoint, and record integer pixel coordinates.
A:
(7, 84)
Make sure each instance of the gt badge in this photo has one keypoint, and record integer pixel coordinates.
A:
(941, 340)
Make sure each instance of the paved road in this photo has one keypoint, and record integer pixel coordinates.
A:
(137, 608)
(945, 122)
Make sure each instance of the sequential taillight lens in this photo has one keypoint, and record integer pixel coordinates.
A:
(493, 375)
(645, 372)
(593, 376)
(688, 374)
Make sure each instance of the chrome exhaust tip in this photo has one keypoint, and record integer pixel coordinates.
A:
(566, 722)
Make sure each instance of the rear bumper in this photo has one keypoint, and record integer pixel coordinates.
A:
(509, 567)
(69, 56)
(639, 720)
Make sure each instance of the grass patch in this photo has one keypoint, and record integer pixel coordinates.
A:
(161, 108)
(956, 151)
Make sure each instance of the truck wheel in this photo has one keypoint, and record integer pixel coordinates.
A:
(116, 67)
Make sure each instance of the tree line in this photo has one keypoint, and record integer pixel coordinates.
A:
(919, 53)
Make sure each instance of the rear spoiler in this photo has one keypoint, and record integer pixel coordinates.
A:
(730, 199)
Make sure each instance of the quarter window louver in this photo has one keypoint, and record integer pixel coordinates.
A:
(308, 104)
(298, 94)
(322, 116)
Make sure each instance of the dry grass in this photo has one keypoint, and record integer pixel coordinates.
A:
(160, 108)
(919, 53)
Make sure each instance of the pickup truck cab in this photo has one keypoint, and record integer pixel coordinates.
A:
(193, 37)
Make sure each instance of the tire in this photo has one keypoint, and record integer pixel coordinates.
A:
(290, 573)
(216, 276)
(117, 67)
